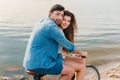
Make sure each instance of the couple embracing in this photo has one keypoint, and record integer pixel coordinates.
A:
(49, 39)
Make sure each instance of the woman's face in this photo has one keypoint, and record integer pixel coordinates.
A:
(65, 22)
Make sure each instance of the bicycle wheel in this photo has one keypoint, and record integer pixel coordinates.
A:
(92, 73)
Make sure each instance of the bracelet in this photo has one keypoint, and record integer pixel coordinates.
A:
(75, 54)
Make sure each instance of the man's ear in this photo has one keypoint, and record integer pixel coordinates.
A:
(50, 13)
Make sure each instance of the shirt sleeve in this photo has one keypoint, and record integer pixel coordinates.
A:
(57, 34)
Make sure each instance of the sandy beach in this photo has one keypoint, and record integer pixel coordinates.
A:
(112, 73)
(106, 74)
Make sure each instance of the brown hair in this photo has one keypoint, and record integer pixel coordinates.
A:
(69, 32)
(57, 7)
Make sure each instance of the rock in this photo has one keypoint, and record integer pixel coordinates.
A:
(115, 76)
(14, 77)
(6, 78)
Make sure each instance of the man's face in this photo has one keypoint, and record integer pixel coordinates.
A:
(57, 16)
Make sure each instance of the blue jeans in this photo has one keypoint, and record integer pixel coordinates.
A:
(55, 70)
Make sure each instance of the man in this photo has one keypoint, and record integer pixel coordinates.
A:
(42, 52)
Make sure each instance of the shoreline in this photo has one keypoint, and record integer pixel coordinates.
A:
(106, 67)
(109, 71)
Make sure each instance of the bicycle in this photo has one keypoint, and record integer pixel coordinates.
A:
(92, 73)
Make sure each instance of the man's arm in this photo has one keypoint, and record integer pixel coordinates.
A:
(57, 34)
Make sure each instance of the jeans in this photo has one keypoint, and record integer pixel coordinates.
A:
(55, 70)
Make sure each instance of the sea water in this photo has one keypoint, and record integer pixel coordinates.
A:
(98, 30)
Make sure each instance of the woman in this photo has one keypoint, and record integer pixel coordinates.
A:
(68, 26)
(42, 54)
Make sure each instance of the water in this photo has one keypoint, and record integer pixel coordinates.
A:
(98, 29)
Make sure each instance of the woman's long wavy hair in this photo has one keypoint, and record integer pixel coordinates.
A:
(69, 31)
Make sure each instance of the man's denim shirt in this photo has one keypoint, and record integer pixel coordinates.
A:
(42, 48)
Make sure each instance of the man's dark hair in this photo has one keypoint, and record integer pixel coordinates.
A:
(57, 7)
